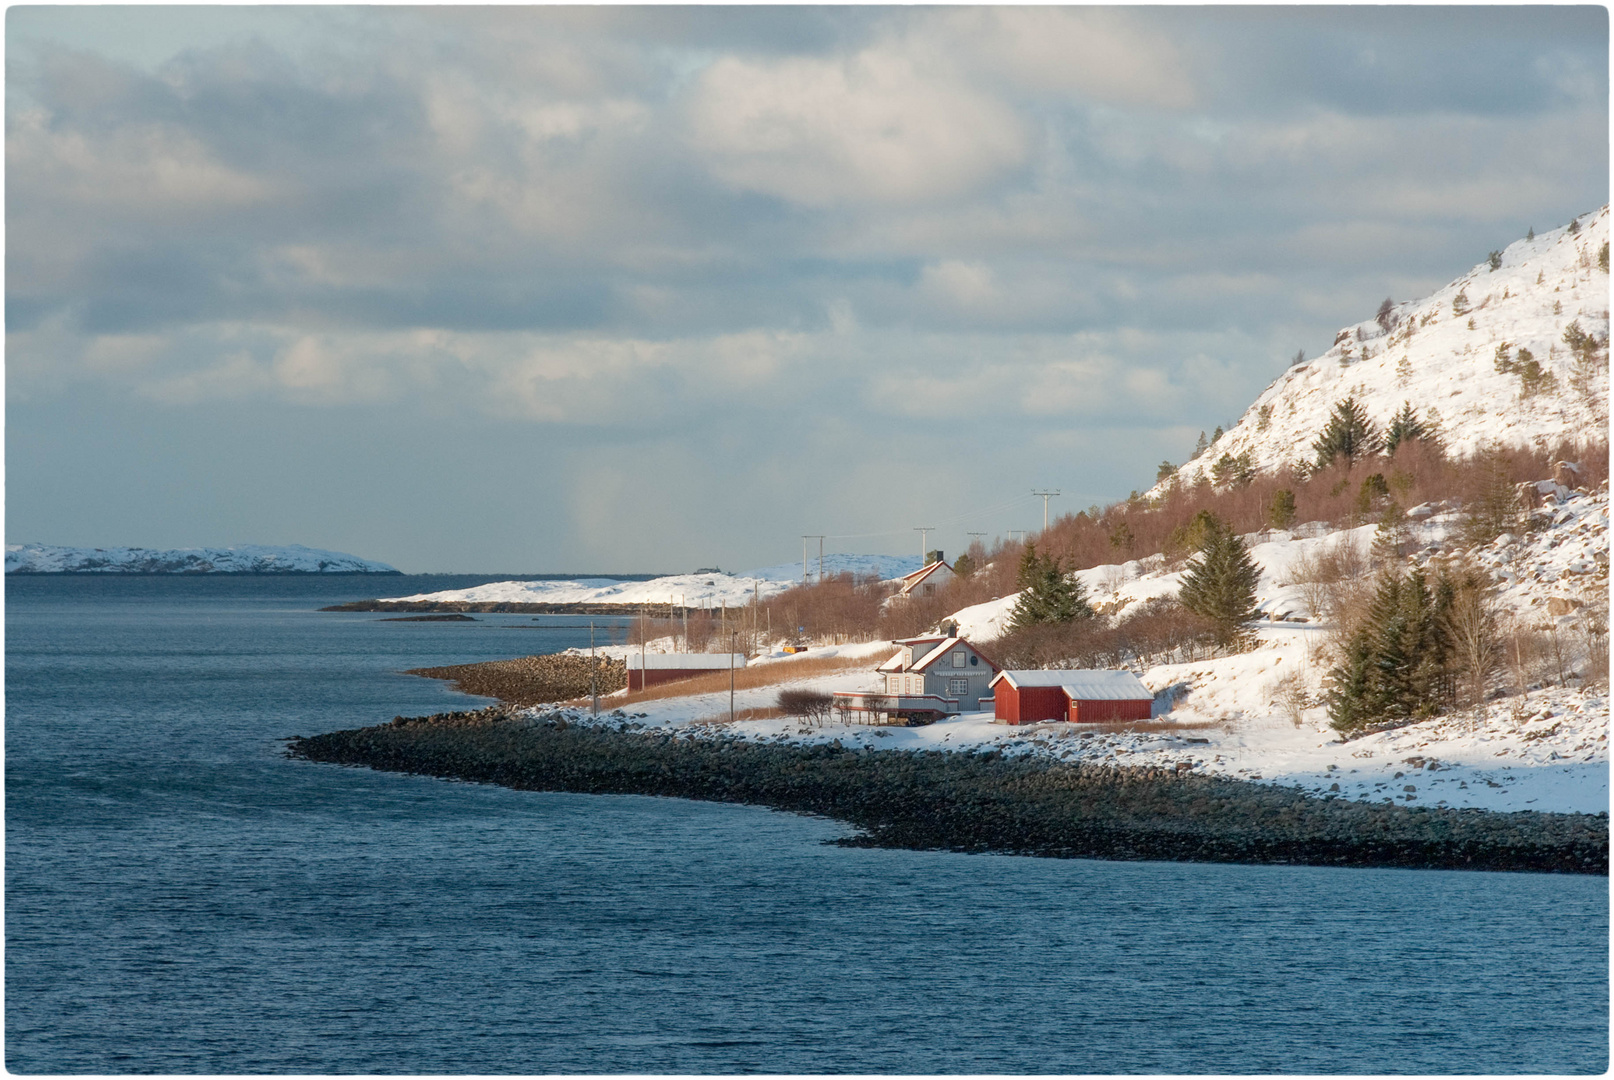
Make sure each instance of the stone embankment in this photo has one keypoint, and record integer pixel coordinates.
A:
(534, 680)
(983, 802)
(504, 607)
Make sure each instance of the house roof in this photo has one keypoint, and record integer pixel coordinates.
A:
(911, 581)
(930, 657)
(1082, 685)
(944, 646)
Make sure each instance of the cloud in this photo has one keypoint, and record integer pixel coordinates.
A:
(874, 127)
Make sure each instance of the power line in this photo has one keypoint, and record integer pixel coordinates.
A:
(967, 515)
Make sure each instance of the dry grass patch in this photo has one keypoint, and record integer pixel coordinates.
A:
(747, 678)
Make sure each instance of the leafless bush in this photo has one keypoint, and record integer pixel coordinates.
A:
(813, 705)
(1291, 697)
(1528, 656)
(1594, 639)
(1476, 637)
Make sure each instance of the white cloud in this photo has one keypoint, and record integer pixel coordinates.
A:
(873, 127)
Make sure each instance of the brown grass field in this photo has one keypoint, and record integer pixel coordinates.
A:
(746, 678)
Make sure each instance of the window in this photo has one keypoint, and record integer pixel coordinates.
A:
(958, 658)
(958, 686)
(930, 590)
(974, 660)
(894, 684)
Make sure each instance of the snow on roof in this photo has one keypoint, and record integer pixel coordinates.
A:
(1082, 685)
(934, 654)
(922, 573)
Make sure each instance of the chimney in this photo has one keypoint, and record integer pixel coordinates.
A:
(933, 557)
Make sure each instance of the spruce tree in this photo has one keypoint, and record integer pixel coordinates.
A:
(1047, 594)
(1349, 433)
(1221, 585)
(1397, 665)
(1404, 427)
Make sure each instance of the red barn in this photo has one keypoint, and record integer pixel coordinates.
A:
(1081, 697)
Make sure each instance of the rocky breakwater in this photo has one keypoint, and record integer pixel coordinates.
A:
(534, 680)
(970, 802)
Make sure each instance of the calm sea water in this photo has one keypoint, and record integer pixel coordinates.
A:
(180, 898)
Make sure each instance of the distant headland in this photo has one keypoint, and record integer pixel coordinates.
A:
(244, 559)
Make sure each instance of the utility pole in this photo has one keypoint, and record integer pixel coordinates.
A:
(924, 532)
(1046, 495)
(804, 539)
(1021, 532)
(972, 543)
(732, 646)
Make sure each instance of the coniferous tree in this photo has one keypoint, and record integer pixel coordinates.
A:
(1047, 594)
(1282, 513)
(1404, 427)
(1349, 433)
(1221, 585)
(1201, 446)
(1398, 663)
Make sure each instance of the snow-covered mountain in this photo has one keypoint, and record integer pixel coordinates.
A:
(1440, 354)
(708, 590)
(246, 559)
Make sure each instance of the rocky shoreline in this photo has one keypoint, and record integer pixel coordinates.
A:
(970, 802)
(533, 680)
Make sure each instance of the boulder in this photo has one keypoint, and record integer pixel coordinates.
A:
(1563, 605)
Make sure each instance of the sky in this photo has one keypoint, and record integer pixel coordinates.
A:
(625, 289)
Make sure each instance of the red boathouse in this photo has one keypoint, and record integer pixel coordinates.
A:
(1081, 697)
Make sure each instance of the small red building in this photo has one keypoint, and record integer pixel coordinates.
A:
(1081, 697)
(652, 668)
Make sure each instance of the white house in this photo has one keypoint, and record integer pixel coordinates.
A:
(926, 580)
(928, 676)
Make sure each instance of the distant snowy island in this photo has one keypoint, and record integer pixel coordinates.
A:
(245, 559)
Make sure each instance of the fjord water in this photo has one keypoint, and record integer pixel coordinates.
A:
(181, 898)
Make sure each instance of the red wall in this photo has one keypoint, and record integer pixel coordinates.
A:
(1028, 704)
(637, 680)
(1099, 712)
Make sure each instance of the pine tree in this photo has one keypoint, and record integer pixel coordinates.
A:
(1348, 432)
(1221, 585)
(1404, 427)
(1165, 472)
(1047, 594)
(1201, 446)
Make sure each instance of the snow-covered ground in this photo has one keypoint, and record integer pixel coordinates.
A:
(1548, 753)
(690, 590)
(1444, 363)
(245, 559)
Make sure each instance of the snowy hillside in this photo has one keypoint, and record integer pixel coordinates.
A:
(690, 590)
(708, 590)
(246, 559)
(1444, 362)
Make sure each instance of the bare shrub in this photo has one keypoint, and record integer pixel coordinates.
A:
(1290, 695)
(811, 705)
(1594, 638)
(1475, 634)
